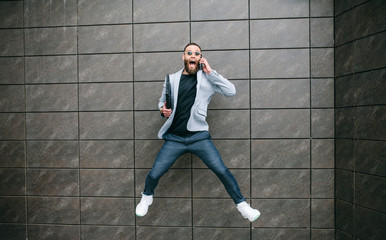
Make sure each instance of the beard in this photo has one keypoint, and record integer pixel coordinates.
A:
(191, 70)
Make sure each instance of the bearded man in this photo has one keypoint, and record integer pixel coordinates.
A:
(186, 129)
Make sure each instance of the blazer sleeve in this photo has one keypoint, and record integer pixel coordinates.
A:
(162, 100)
(221, 84)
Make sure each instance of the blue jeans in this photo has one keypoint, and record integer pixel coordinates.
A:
(199, 144)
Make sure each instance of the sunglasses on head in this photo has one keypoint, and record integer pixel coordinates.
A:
(191, 53)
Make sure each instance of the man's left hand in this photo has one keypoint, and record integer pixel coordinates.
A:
(206, 68)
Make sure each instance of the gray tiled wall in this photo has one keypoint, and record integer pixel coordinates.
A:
(79, 86)
(360, 119)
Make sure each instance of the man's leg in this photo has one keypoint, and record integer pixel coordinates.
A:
(208, 153)
(168, 154)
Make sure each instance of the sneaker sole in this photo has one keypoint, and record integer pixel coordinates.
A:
(257, 216)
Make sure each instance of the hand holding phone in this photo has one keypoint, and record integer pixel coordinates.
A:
(204, 65)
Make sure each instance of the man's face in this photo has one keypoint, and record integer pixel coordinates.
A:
(191, 58)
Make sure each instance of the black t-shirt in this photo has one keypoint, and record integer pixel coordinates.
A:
(186, 98)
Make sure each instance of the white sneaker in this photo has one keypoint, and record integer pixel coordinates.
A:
(248, 212)
(143, 205)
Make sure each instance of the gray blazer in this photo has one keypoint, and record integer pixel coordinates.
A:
(207, 86)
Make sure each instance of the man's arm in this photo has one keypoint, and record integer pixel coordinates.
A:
(221, 84)
(162, 103)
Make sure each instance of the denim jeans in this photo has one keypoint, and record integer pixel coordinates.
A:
(199, 144)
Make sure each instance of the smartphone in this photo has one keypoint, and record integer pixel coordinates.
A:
(202, 65)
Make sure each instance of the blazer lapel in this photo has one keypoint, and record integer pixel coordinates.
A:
(199, 80)
(176, 84)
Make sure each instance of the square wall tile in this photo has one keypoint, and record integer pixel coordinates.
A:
(90, 232)
(322, 8)
(291, 93)
(281, 213)
(228, 123)
(105, 39)
(53, 97)
(322, 62)
(322, 92)
(50, 13)
(220, 233)
(322, 32)
(12, 98)
(107, 182)
(51, 69)
(322, 123)
(106, 125)
(322, 183)
(280, 183)
(287, 33)
(221, 35)
(52, 154)
(106, 68)
(13, 209)
(164, 233)
(12, 182)
(322, 213)
(280, 63)
(105, 96)
(107, 211)
(281, 153)
(52, 125)
(203, 10)
(53, 231)
(12, 153)
(101, 12)
(51, 41)
(159, 11)
(161, 37)
(11, 70)
(59, 210)
(107, 154)
(12, 126)
(289, 123)
(11, 14)
(11, 42)
(279, 8)
(280, 233)
(53, 182)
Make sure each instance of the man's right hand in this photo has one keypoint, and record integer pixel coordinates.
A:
(165, 111)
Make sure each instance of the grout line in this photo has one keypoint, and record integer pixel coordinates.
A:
(133, 124)
(310, 106)
(250, 115)
(25, 133)
(78, 140)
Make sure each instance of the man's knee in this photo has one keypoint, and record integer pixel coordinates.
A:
(222, 171)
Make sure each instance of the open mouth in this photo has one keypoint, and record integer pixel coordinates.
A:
(192, 63)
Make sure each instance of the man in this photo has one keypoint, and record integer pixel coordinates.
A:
(186, 129)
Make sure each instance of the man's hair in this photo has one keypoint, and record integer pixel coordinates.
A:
(190, 44)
